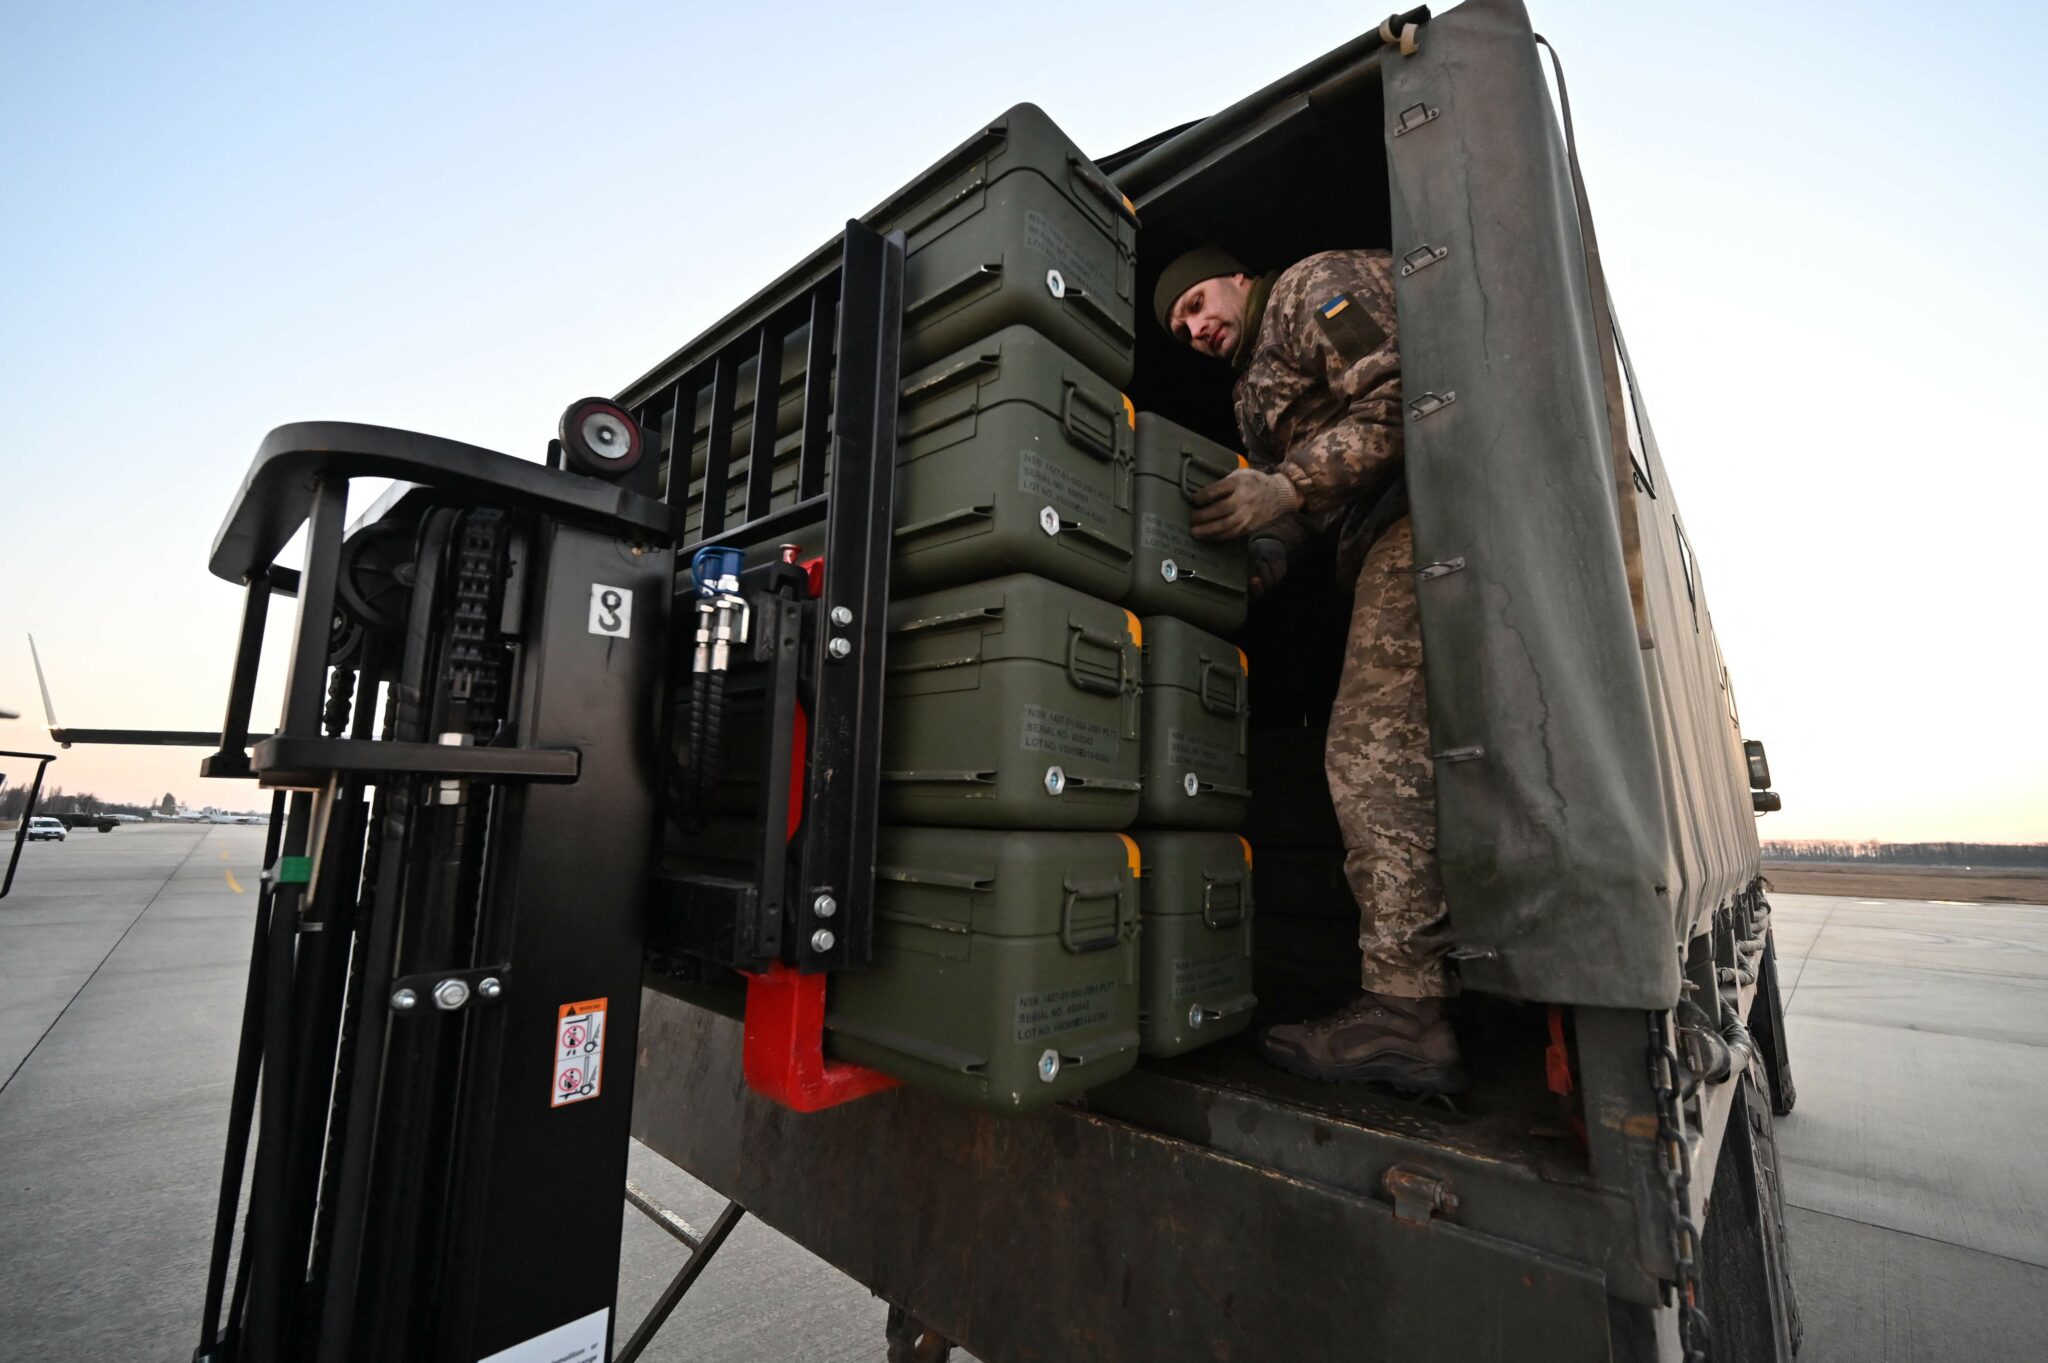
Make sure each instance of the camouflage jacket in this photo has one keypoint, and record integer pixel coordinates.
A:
(1319, 395)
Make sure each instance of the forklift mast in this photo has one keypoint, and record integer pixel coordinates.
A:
(433, 1093)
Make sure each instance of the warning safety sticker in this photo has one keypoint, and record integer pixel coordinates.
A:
(580, 1341)
(579, 1052)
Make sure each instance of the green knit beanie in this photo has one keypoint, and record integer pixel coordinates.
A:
(1190, 269)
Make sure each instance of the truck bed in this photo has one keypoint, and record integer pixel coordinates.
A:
(1203, 1207)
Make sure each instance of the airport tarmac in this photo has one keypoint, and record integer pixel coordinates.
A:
(1914, 1165)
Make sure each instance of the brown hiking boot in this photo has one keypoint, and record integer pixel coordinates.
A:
(1377, 1038)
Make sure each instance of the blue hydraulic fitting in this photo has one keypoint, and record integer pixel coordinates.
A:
(721, 611)
(715, 570)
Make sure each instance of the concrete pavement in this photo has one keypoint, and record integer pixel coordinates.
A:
(122, 963)
(1914, 1163)
(1918, 1185)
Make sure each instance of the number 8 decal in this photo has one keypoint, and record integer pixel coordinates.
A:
(611, 611)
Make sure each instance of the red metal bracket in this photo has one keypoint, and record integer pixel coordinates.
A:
(1557, 1059)
(784, 1058)
(1557, 1074)
(784, 1053)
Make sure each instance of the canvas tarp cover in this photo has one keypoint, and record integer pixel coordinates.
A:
(1551, 805)
(1714, 853)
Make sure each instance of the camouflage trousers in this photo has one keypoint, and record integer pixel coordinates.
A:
(1382, 781)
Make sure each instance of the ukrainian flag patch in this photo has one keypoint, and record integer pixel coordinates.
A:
(1351, 331)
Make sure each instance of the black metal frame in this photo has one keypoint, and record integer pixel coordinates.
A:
(703, 1246)
(387, 1151)
(844, 765)
(382, 1189)
(805, 655)
(35, 791)
(232, 757)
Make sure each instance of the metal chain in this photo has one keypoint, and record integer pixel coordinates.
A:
(1674, 1160)
(474, 660)
(341, 690)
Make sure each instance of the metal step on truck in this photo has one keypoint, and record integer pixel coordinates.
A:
(838, 768)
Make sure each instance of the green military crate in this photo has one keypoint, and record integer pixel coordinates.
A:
(1011, 703)
(1013, 456)
(1195, 760)
(1015, 227)
(1172, 572)
(1006, 965)
(1195, 953)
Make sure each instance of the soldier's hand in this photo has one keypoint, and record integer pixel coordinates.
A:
(1268, 565)
(1242, 503)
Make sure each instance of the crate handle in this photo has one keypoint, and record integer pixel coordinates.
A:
(1230, 703)
(897, 666)
(966, 515)
(1218, 788)
(939, 206)
(1098, 889)
(1101, 783)
(1114, 548)
(1095, 182)
(949, 620)
(1102, 1048)
(1101, 686)
(966, 778)
(950, 377)
(1104, 318)
(1101, 443)
(1184, 576)
(950, 880)
(1210, 884)
(1188, 464)
(980, 277)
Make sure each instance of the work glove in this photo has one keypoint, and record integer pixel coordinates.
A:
(1242, 503)
(1268, 564)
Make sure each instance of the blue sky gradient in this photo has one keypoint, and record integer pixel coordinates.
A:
(1824, 228)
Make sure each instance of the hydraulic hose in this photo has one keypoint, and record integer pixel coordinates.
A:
(711, 763)
(721, 622)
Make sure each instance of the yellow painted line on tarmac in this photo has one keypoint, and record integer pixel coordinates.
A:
(223, 854)
(233, 884)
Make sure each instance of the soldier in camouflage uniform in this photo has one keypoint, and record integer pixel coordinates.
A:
(1318, 398)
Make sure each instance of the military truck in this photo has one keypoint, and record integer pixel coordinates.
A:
(658, 713)
(1609, 1187)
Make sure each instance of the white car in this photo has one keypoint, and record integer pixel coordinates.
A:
(42, 828)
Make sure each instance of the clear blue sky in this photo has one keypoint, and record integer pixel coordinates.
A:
(1824, 227)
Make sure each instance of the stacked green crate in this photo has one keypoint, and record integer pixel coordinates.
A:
(1018, 739)
(1195, 887)
(1013, 232)
(1006, 965)
(1195, 893)
(1005, 970)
